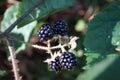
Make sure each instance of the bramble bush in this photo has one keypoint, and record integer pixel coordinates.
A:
(60, 39)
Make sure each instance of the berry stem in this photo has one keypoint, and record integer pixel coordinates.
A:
(71, 43)
(40, 47)
(60, 44)
(48, 49)
(62, 48)
(59, 37)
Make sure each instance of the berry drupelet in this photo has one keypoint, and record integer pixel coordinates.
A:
(55, 65)
(60, 28)
(45, 33)
(68, 60)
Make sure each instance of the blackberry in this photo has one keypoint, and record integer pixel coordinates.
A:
(45, 33)
(60, 28)
(68, 60)
(55, 65)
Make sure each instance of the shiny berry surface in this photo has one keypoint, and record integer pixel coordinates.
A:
(68, 60)
(45, 33)
(55, 65)
(60, 28)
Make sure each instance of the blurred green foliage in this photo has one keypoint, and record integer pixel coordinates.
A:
(108, 69)
(22, 33)
(47, 7)
(96, 54)
(99, 34)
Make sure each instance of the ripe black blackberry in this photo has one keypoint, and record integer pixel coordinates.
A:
(60, 28)
(45, 33)
(68, 60)
(55, 65)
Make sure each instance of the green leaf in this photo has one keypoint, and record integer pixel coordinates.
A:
(108, 69)
(47, 7)
(92, 58)
(9, 17)
(116, 35)
(23, 33)
(100, 29)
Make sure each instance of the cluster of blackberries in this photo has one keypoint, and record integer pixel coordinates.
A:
(66, 61)
(47, 32)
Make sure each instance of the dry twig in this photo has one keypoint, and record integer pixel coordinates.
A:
(14, 61)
